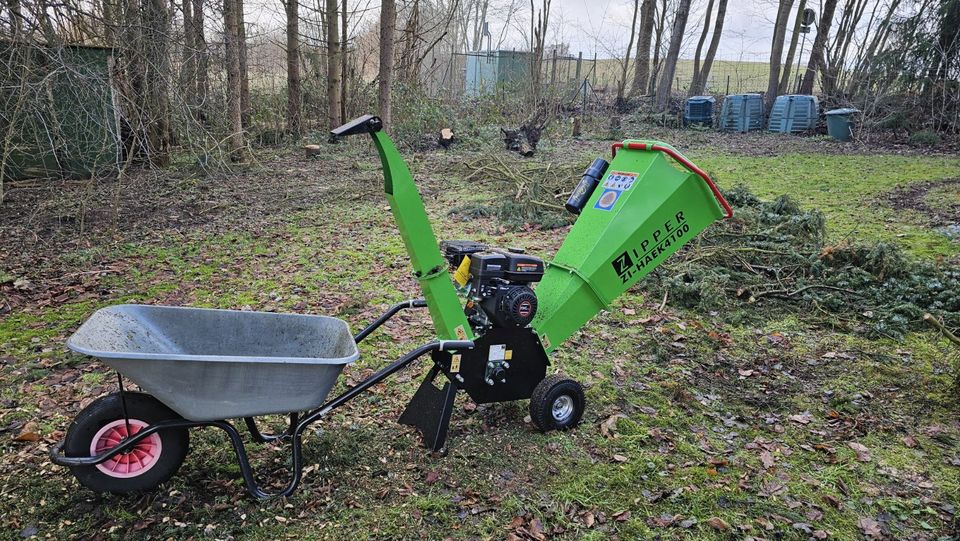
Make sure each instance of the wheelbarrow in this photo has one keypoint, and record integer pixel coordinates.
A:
(201, 367)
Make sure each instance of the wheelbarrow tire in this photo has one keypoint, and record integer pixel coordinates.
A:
(155, 460)
(557, 403)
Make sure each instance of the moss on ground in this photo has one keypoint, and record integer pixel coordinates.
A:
(697, 427)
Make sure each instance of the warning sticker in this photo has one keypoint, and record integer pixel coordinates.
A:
(607, 199)
(497, 352)
(620, 180)
(455, 364)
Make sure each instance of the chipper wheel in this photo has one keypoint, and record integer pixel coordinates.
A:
(101, 426)
(557, 403)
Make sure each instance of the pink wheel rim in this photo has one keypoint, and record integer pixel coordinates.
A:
(137, 461)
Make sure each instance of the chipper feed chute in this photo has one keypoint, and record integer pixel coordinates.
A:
(643, 210)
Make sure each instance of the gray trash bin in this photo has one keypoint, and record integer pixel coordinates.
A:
(840, 124)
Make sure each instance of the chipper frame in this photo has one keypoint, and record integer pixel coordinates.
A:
(633, 213)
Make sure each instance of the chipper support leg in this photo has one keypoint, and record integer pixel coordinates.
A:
(429, 410)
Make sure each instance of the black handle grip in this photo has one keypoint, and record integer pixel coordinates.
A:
(363, 124)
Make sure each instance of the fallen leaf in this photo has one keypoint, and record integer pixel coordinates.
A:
(767, 459)
(718, 523)
(833, 501)
(432, 477)
(745, 373)
(863, 454)
(870, 527)
(803, 418)
(608, 428)
(620, 458)
(29, 432)
(589, 520)
(622, 516)
(820, 534)
(909, 441)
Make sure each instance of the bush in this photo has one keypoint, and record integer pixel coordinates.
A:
(925, 138)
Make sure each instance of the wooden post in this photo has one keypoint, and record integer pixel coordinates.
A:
(553, 69)
(594, 69)
(579, 63)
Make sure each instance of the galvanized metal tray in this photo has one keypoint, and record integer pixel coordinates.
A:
(219, 364)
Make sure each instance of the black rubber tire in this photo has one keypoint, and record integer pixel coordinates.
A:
(546, 393)
(141, 406)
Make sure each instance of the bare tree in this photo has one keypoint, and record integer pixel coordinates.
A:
(659, 28)
(642, 74)
(776, 50)
(784, 85)
(333, 65)
(816, 61)
(201, 83)
(539, 23)
(622, 83)
(700, 42)
(294, 97)
(388, 25)
(246, 110)
(698, 85)
(673, 53)
(232, 53)
(344, 59)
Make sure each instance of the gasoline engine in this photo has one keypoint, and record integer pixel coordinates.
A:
(496, 282)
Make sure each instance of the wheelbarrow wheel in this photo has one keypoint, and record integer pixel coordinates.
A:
(101, 426)
(557, 403)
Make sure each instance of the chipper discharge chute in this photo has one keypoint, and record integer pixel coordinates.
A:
(496, 320)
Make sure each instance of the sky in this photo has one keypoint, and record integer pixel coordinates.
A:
(595, 26)
(603, 26)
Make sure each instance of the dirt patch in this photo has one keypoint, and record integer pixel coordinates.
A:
(915, 198)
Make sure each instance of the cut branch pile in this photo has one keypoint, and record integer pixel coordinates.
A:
(773, 254)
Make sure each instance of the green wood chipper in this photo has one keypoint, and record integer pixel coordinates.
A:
(497, 318)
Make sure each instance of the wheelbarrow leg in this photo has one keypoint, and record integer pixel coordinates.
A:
(430, 409)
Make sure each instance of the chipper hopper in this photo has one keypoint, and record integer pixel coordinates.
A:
(496, 318)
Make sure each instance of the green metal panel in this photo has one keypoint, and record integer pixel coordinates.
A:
(60, 101)
(429, 266)
(643, 211)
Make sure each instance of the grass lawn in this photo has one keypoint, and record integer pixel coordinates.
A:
(697, 428)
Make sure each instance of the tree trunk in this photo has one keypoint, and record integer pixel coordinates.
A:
(621, 86)
(201, 83)
(156, 106)
(657, 45)
(776, 51)
(231, 47)
(670, 63)
(784, 86)
(696, 55)
(701, 81)
(538, 36)
(188, 76)
(333, 65)
(343, 62)
(294, 98)
(246, 111)
(388, 25)
(816, 53)
(642, 75)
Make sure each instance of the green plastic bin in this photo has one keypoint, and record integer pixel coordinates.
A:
(840, 123)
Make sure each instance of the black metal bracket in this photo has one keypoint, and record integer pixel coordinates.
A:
(429, 410)
(363, 124)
